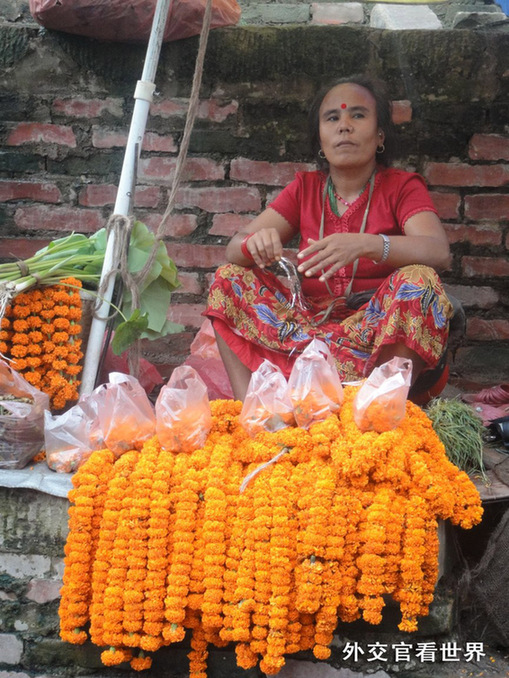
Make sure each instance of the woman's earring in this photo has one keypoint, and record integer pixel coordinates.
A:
(321, 154)
(381, 149)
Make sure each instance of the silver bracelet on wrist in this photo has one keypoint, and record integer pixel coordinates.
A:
(386, 249)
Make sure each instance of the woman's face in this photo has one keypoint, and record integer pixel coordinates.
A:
(348, 127)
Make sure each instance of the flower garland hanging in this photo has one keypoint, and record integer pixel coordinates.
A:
(40, 334)
(227, 544)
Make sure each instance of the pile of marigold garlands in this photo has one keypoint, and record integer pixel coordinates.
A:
(40, 335)
(163, 543)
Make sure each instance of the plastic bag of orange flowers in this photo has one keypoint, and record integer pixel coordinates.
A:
(314, 386)
(267, 405)
(183, 415)
(67, 439)
(380, 403)
(123, 416)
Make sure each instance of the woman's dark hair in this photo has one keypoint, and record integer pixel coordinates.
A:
(383, 114)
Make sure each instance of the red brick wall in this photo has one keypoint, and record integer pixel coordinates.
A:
(62, 159)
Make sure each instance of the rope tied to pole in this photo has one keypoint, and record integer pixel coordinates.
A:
(123, 225)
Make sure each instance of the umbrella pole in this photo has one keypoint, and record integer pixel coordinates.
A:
(143, 98)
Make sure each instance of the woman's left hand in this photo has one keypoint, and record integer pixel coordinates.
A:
(328, 255)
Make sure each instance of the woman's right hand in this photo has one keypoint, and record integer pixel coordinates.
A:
(264, 246)
(268, 233)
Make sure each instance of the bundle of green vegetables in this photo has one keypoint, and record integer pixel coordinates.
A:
(461, 431)
(82, 257)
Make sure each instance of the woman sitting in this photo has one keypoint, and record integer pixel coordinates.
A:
(370, 242)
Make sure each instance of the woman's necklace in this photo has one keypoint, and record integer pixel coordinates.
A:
(334, 197)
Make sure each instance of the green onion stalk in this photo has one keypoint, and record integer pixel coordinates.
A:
(461, 430)
(81, 257)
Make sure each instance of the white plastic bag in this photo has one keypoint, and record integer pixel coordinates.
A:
(267, 405)
(314, 385)
(122, 415)
(183, 416)
(380, 403)
(67, 439)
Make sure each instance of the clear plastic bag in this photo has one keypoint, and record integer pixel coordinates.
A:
(205, 359)
(123, 417)
(67, 439)
(183, 416)
(380, 403)
(267, 405)
(21, 419)
(314, 385)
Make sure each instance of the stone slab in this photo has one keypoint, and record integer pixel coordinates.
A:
(404, 17)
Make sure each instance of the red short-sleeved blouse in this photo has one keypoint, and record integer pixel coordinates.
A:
(397, 196)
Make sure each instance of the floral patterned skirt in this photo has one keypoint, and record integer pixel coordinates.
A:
(253, 311)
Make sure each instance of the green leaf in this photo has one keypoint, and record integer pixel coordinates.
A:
(129, 331)
(169, 327)
(154, 302)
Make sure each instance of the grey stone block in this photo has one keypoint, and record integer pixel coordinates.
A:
(404, 17)
(475, 19)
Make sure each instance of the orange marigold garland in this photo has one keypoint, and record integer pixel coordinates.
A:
(330, 520)
(40, 334)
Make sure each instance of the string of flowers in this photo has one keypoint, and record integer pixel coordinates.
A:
(40, 335)
(321, 535)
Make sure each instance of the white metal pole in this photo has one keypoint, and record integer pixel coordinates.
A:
(143, 98)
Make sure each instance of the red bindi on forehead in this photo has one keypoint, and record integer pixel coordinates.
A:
(343, 105)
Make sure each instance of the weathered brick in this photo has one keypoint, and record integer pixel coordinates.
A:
(335, 14)
(188, 255)
(162, 170)
(489, 147)
(447, 204)
(475, 297)
(188, 315)
(43, 590)
(98, 195)
(462, 174)
(11, 649)
(401, 111)
(190, 283)
(80, 107)
(177, 225)
(480, 329)
(271, 174)
(110, 138)
(271, 195)
(480, 234)
(21, 248)
(28, 190)
(228, 224)
(20, 163)
(483, 206)
(36, 132)
(484, 267)
(228, 199)
(209, 109)
(58, 219)
(158, 143)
